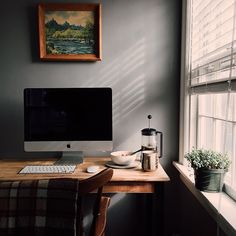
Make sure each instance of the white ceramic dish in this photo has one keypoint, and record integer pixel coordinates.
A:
(123, 158)
(132, 165)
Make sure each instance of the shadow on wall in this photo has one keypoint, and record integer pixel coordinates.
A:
(128, 88)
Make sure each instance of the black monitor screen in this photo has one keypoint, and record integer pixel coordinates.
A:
(68, 114)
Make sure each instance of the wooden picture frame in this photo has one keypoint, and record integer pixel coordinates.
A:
(70, 32)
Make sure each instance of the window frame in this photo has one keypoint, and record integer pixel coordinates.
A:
(184, 82)
(186, 88)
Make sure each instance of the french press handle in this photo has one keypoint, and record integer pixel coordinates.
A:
(161, 142)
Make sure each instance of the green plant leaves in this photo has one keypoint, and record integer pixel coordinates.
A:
(208, 159)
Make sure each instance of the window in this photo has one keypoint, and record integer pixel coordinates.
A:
(210, 80)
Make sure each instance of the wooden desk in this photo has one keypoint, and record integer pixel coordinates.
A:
(123, 180)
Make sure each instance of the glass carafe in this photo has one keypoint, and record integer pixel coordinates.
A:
(152, 140)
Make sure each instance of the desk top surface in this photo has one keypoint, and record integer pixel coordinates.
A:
(10, 169)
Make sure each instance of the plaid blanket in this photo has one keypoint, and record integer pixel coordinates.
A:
(39, 207)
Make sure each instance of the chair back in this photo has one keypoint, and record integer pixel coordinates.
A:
(51, 206)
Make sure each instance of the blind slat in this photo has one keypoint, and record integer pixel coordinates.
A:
(214, 87)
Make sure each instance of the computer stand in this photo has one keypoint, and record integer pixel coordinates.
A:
(70, 158)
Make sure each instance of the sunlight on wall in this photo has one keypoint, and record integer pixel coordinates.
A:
(126, 76)
(116, 198)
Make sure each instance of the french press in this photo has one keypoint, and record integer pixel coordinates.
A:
(152, 140)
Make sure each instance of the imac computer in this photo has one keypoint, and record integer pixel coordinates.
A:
(68, 120)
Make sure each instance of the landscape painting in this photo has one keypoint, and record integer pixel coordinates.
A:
(69, 31)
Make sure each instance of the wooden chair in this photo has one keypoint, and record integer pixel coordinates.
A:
(54, 200)
(101, 203)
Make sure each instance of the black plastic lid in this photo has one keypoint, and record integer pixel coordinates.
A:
(148, 131)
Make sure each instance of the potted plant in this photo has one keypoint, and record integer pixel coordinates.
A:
(209, 169)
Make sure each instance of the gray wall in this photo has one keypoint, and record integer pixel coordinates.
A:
(141, 51)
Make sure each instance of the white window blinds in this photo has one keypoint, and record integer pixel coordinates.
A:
(213, 46)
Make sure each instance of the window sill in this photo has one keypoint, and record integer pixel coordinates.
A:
(219, 205)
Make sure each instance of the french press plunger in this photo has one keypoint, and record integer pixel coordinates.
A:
(152, 140)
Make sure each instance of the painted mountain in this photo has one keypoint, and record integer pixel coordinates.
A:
(69, 32)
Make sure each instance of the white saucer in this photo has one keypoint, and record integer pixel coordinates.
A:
(130, 166)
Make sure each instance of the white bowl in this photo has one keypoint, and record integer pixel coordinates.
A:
(122, 157)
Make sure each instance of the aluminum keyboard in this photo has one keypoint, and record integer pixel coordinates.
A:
(48, 169)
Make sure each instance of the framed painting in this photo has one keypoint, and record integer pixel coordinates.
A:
(70, 32)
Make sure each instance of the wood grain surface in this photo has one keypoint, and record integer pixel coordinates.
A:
(123, 180)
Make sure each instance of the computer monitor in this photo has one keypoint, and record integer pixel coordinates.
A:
(68, 120)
